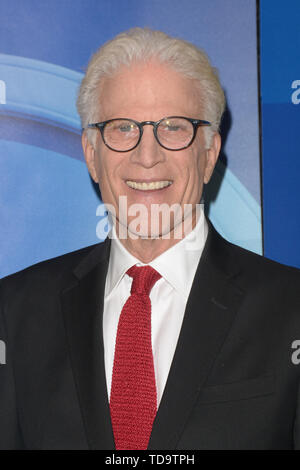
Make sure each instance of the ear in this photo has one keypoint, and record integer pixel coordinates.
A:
(212, 156)
(89, 155)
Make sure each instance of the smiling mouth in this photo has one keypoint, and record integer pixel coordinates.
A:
(151, 185)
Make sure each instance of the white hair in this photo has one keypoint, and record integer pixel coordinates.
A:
(144, 45)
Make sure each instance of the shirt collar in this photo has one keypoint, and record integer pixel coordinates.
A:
(177, 265)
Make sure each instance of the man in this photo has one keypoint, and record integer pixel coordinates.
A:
(164, 336)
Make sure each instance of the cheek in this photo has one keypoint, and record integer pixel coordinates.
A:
(196, 168)
(107, 171)
(98, 164)
(103, 167)
(103, 176)
(195, 177)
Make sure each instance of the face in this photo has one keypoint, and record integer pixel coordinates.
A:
(149, 92)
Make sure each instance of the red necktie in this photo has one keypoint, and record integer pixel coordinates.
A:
(133, 391)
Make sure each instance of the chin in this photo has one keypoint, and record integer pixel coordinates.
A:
(165, 233)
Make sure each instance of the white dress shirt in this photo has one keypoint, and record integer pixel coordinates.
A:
(169, 295)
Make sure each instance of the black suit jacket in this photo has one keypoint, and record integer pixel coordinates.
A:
(232, 384)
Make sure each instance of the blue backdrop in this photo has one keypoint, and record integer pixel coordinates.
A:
(48, 205)
(280, 95)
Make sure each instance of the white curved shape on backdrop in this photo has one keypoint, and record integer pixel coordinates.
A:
(40, 91)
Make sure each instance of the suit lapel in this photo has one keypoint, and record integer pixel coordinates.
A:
(209, 314)
(82, 307)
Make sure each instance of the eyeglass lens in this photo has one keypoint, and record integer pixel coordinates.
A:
(173, 133)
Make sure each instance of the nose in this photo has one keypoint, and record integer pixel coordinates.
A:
(148, 153)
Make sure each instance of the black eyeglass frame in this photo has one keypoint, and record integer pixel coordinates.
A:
(195, 122)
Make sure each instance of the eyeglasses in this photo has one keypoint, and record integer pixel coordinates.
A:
(172, 133)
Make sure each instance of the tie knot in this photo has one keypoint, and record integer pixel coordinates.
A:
(144, 278)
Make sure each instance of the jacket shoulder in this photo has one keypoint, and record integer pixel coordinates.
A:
(253, 268)
(256, 260)
(260, 270)
(49, 273)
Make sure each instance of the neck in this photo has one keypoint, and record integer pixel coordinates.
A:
(147, 249)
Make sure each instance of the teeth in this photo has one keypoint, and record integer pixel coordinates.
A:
(148, 186)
